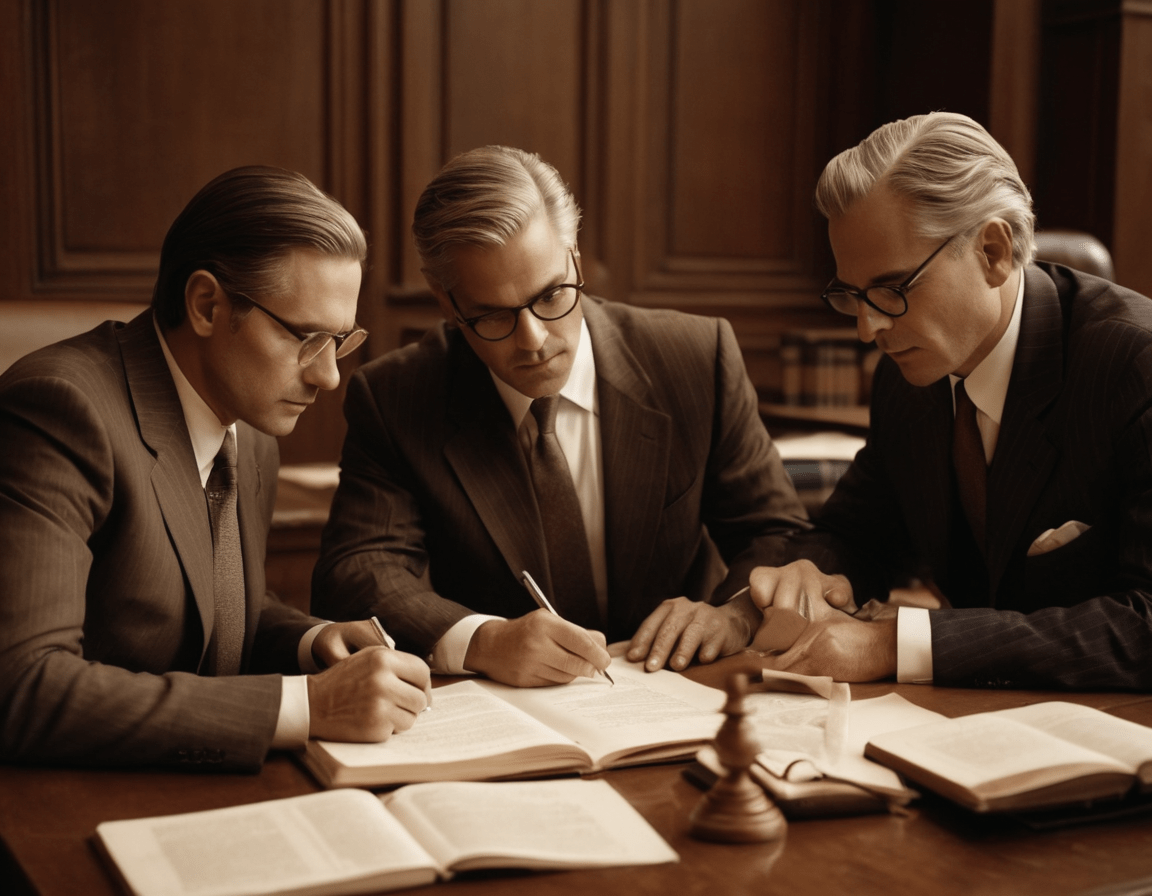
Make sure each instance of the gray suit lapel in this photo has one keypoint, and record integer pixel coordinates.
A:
(1025, 455)
(635, 441)
(175, 479)
(253, 534)
(483, 450)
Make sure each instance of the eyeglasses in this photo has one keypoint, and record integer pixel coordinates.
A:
(311, 344)
(891, 301)
(552, 304)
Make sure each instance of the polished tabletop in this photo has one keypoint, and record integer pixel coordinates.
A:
(48, 816)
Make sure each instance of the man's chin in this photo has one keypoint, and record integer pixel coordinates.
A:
(276, 426)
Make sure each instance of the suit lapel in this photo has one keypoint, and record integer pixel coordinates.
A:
(635, 441)
(926, 418)
(483, 450)
(1025, 455)
(253, 534)
(175, 478)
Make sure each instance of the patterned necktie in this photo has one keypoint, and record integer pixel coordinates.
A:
(970, 464)
(227, 564)
(574, 594)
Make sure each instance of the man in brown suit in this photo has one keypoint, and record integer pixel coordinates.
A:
(126, 609)
(679, 491)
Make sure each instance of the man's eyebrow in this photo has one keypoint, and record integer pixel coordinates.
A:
(888, 278)
(484, 308)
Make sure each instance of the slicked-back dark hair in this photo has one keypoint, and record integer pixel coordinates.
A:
(241, 227)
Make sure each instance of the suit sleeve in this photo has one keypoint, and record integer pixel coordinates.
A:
(374, 556)
(62, 480)
(860, 531)
(749, 503)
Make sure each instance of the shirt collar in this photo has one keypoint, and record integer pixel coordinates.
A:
(580, 388)
(204, 427)
(987, 384)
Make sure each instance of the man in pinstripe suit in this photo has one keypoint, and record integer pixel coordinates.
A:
(681, 492)
(113, 610)
(1039, 553)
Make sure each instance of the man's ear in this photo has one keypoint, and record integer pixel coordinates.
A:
(995, 242)
(204, 301)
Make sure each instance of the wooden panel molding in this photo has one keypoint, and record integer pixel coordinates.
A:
(712, 132)
(138, 104)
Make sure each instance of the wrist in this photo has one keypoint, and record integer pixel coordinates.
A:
(481, 646)
(745, 618)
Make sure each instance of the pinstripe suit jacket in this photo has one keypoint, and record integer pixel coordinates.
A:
(435, 515)
(1075, 444)
(106, 567)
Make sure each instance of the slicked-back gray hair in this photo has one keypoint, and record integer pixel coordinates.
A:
(484, 197)
(948, 167)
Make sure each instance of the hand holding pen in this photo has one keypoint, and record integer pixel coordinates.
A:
(543, 603)
(390, 643)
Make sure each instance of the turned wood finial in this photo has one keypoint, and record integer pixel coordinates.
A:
(736, 809)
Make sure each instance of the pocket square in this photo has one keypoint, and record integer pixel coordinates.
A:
(1057, 538)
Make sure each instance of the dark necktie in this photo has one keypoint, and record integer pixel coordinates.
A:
(227, 564)
(569, 560)
(971, 467)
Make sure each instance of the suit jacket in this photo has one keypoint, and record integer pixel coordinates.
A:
(106, 567)
(435, 515)
(1075, 443)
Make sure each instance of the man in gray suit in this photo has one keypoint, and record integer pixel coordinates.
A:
(1008, 468)
(137, 479)
(673, 489)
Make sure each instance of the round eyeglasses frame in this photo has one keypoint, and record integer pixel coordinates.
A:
(530, 305)
(313, 343)
(844, 299)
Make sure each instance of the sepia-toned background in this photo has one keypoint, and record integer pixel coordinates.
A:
(691, 131)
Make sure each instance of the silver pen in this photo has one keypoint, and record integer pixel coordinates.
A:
(543, 603)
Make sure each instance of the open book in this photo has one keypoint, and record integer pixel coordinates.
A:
(350, 841)
(480, 730)
(1032, 757)
(812, 736)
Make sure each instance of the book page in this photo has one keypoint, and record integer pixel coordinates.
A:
(642, 709)
(866, 719)
(295, 845)
(993, 755)
(1128, 742)
(800, 730)
(539, 824)
(466, 726)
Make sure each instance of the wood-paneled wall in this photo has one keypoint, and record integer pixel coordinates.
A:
(691, 131)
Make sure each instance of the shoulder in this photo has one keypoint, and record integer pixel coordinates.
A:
(658, 336)
(85, 369)
(416, 361)
(95, 353)
(651, 323)
(1098, 311)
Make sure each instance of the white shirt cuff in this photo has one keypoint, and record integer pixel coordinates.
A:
(448, 655)
(913, 646)
(304, 656)
(292, 725)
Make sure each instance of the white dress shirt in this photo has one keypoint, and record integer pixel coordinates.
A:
(987, 386)
(207, 434)
(578, 432)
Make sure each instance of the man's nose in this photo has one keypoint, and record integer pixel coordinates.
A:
(531, 332)
(322, 371)
(869, 322)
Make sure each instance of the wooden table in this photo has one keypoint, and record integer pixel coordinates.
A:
(47, 817)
